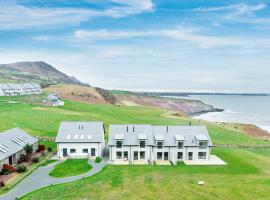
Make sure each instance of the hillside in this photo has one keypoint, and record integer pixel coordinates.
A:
(39, 72)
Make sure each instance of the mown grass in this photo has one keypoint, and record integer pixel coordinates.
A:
(44, 121)
(245, 177)
(71, 167)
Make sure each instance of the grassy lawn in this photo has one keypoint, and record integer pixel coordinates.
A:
(245, 177)
(71, 167)
(44, 121)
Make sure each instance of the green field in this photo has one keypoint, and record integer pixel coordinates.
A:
(247, 175)
(44, 121)
(71, 168)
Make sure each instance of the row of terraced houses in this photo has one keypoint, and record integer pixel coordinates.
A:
(134, 143)
(16, 89)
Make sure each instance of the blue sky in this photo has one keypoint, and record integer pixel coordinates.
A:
(157, 45)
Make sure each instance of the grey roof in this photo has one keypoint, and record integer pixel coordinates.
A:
(76, 132)
(9, 139)
(4, 86)
(169, 134)
(187, 132)
(15, 86)
(130, 133)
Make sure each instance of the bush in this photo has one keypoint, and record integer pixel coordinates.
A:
(35, 159)
(2, 184)
(49, 149)
(43, 154)
(6, 172)
(98, 160)
(22, 158)
(21, 168)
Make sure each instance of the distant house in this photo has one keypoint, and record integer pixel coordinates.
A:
(6, 90)
(138, 144)
(16, 89)
(28, 88)
(80, 140)
(54, 100)
(12, 143)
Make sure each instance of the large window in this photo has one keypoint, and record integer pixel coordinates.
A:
(142, 154)
(159, 155)
(142, 144)
(159, 145)
(119, 155)
(85, 150)
(180, 155)
(203, 145)
(72, 150)
(180, 145)
(202, 155)
(118, 144)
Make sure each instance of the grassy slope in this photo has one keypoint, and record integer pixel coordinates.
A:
(44, 121)
(245, 177)
(71, 168)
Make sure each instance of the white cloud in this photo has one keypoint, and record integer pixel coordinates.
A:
(181, 33)
(15, 16)
(41, 38)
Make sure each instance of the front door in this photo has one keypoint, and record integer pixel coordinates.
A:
(190, 155)
(64, 152)
(166, 156)
(10, 160)
(135, 155)
(93, 152)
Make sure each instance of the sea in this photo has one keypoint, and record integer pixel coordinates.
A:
(247, 109)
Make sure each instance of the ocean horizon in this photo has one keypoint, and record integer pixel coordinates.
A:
(246, 109)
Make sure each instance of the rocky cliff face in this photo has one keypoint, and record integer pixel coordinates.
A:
(39, 72)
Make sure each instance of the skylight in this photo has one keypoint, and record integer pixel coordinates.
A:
(76, 136)
(89, 137)
(3, 148)
(68, 137)
(82, 137)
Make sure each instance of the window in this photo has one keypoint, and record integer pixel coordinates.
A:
(202, 155)
(180, 145)
(135, 155)
(159, 145)
(93, 152)
(159, 155)
(180, 155)
(125, 154)
(85, 150)
(142, 144)
(119, 155)
(142, 154)
(203, 145)
(118, 144)
(72, 150)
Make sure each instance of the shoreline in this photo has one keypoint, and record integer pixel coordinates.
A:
(202, 116)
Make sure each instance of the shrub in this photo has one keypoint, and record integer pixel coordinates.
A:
(35, 159)
(2, 184)
(98, 160)
(49, 149)
(6, 172)
(21, 168)
(22, 158)
(43, 154)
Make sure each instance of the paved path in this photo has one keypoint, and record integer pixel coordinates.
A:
(40, 178)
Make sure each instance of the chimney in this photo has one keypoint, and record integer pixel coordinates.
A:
(82, 127)
(127, 128)
(79, 127)
(167, 129)
(133, 129)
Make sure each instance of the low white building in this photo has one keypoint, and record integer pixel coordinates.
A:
(80, 140)
(16, 89)
(54, 100)
(141, 144)
(5, 90)
(12, 143)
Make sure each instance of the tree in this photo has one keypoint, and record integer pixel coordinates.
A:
(28, 150)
